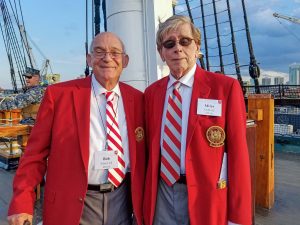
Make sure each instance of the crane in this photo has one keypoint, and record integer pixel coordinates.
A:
(289, 18)
(18, 49)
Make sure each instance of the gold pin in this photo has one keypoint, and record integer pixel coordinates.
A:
(139, 134)
(216, 136)
(222, 184)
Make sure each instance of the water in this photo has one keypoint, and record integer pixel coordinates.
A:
(287, 148)
(287, 144)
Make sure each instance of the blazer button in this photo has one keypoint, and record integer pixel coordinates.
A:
(80, 199)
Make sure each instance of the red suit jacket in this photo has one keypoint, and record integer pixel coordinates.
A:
(59, 145)
(207, 205)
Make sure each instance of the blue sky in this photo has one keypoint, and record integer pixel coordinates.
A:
(274, 42)
(58, 29)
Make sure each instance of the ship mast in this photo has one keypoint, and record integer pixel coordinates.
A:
(204, 33)
(254, 70)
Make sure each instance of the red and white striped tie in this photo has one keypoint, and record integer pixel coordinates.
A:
(171, 146)
(114, 141)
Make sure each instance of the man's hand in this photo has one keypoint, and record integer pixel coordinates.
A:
(19, 219)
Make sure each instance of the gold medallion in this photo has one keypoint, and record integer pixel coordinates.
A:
(216, 136)
(139, 134)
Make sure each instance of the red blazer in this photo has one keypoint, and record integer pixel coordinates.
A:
(207, 205)
(61, 135)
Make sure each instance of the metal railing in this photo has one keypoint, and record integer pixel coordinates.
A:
(280, 91)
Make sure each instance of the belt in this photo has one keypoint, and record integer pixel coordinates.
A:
(107, 187)
(102, 188)
(181, 180)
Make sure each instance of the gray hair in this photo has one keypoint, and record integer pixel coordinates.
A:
(173, 23)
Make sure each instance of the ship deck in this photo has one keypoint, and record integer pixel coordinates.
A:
(287, 193)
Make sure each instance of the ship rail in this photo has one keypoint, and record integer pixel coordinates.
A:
(284, 95)
(280, 91)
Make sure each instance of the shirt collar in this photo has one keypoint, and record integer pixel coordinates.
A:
(99, 89)
(187, 79)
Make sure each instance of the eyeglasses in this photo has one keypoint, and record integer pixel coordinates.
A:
(185, 41)
(28, 77)
(113, 55)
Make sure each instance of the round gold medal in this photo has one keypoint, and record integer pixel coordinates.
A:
(216, 136)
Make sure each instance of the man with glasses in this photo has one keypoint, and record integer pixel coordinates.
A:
(89, 138)
(32, 77)
(198, 171)
(28, 101)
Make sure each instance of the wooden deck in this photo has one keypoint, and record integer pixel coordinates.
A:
(286, 210)
(6, 178)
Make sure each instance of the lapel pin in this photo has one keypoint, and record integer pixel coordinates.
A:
(139, 134)
(216, 136)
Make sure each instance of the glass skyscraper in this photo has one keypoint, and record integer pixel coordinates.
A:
(294, 74)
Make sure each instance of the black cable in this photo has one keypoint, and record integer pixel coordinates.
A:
(87, 69)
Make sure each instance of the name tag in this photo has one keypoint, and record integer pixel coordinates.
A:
(106, 160)
(209, 107)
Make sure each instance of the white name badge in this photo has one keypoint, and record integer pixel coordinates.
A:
(106, 160)
(209, 107)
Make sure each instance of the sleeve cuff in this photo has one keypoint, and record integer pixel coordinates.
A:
(231, 223)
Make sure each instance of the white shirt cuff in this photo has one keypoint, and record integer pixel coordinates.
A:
(231, 223)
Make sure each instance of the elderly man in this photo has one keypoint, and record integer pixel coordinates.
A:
(198, 171)
(89, 138)
(29, 100)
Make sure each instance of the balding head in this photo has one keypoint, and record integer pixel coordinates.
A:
(109, 35)
(107, 58)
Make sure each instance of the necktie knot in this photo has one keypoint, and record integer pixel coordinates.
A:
(176, 85)
(109, 95)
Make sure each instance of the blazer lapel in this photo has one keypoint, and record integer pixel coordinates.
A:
(128, 102)
(81, 101)
(200, 90)
(159, 99)
(160, 95)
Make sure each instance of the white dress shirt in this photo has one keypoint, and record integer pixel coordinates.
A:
(98, 129)
(185, 91)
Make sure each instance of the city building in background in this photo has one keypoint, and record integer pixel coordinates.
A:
(266, 81)
(272, 78)
(278, 80)
(294, 74)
